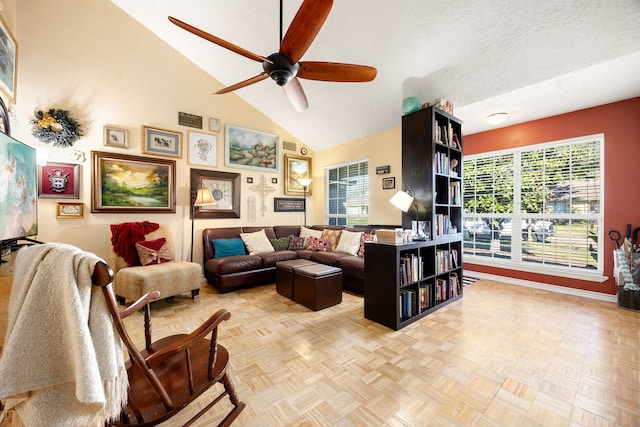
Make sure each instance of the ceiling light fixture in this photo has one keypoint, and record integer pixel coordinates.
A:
(497, 118)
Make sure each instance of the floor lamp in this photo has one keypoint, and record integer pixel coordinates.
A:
(305, 183)
(200, 197)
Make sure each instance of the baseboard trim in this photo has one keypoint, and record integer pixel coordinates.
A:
(538, 285)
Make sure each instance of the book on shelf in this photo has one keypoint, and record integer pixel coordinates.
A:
(454, 193)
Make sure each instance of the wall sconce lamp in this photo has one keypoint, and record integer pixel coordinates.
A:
(403, 201)
(305, 184)
(200, 197)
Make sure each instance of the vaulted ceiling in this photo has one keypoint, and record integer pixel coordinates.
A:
(530, 59)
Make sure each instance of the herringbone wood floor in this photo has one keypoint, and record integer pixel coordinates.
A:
(501, 356)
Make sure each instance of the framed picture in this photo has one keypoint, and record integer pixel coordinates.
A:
(283, 204)
(9, 55)
(116, 137)
(161, 142)
(123, 183)
(59, 181)
(5, 123)
(191, 120)
(202, 149)
(70, 210)
(214, 125)
(388, 183)
(251, 149)
(296, 167)
(274, 180)
(225, 188)
(249, 180)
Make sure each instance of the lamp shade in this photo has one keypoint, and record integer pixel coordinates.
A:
(402, 200)
(305, 181)
(204, 198)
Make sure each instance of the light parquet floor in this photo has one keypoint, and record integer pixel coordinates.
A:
(503, 355)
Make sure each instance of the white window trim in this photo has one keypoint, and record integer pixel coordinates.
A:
(516, 263)
(326, 186)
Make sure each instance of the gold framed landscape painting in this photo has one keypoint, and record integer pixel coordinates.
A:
(295, 168)
(123, 183)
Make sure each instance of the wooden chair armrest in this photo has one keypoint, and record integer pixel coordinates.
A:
(180, 345)
(141, 302)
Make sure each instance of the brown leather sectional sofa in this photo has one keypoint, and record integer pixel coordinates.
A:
(229, 273)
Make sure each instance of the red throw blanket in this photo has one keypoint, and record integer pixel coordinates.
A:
(124, 237)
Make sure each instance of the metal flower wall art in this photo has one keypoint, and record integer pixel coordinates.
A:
(56, 126)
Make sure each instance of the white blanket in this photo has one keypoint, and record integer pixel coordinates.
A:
(62, 363)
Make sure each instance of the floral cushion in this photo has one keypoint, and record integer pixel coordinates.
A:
(153, 251)
(296, 243)
(257, 243)
(366, 237)
(349, 242)
(333, 236)
(317, 244)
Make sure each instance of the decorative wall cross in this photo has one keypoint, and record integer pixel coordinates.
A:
(262, 189)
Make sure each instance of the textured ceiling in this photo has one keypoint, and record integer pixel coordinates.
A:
(530, 59)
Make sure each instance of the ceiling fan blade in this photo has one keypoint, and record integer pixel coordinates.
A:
(336, 72)
(250, 81)
(295, 93)
(304, 28)
(217, 40)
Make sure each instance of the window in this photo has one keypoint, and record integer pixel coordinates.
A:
(347, 198)
(536, 208)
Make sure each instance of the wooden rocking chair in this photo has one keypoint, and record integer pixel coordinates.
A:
(170, 373)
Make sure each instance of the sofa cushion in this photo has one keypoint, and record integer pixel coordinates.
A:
(307, 232)
(327, 258)
(286, 230)
(228, 247)
(270, 259)
(366, 237)
(281, 244)
(317, 244)
(257, 242)
(297, 243)
(234, 264)
(333, 236)
(349, 242)
(352, 265)
(153, 251)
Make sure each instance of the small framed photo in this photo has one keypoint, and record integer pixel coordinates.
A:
(214, 125)
(116, 137)
(203, 149)
(161, 142)
(70, 210)
(274, 180)
(388, 183)
(59, 181)
(249, 180)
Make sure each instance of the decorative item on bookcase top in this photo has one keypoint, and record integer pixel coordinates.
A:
(56, 126)
(381, 170)
(440, 103)
(411, 104)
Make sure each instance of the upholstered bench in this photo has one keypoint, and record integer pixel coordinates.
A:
(317, 286)
(284, 275)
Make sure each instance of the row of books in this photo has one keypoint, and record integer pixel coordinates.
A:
(446, 260)
(411, 269)
(455, 195)
(447, 288)
(442, 225)
(445, 135)
(441, 163)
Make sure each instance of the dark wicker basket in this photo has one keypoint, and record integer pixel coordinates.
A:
(628, 299)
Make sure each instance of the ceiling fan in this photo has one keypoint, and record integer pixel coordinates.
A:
(284, 66)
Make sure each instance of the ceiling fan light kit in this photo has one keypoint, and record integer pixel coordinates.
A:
(284, 66)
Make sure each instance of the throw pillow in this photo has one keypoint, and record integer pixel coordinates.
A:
(308, 232)
(333, 236)
(296, 243)
(257, 243)
(153, 251)
(281, 244)
(317, 244)
(366, 237)
(349, 242)
(228, 247)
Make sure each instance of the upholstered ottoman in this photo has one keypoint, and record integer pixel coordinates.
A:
(317, 286)
(284, 275)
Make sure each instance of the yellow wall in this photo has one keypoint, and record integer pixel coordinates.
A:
(97, 62)
(381, 149)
